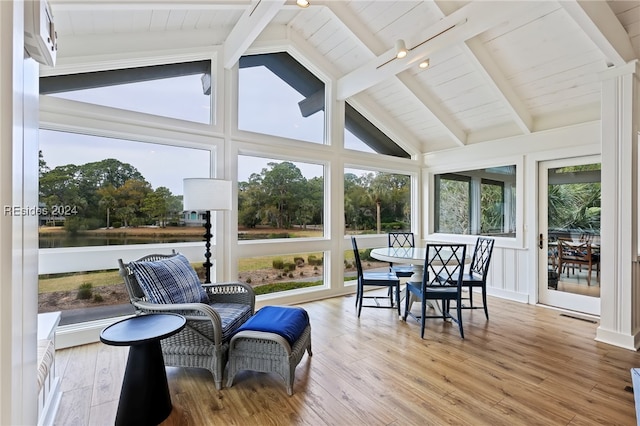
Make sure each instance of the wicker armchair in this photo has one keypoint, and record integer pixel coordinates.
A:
(203, 343)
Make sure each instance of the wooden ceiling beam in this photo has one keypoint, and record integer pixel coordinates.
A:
(463, 24)
(254, 19)
(377, 48)
(601, 25)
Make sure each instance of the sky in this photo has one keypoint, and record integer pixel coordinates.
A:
(182, 98)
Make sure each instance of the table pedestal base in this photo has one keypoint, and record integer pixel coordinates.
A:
(144, 399)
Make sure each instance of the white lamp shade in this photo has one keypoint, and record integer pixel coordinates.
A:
(206, 194)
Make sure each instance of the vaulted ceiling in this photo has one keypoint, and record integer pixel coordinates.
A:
(497, 68)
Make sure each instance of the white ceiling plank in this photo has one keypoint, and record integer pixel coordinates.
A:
(75, 5)
(461, 25)
(433, 105)
(486, 65)
(492, 73)
(249, 26)
(602, 26)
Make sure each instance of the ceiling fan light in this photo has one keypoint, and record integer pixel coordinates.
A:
(303, 3)
(401, 49)
(424, 64)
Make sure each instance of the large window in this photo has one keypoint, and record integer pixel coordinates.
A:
(476, 202)
(89, 198)
(279, 199)
(376, 202)
(181, 91)
(278, 96)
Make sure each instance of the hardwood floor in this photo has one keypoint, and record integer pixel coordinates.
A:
(527, 365)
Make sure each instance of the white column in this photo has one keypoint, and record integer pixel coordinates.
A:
(620, 302)
(18, 231)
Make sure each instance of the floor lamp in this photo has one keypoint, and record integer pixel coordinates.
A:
(205, 195)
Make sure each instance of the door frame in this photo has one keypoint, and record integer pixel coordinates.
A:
(561, 300)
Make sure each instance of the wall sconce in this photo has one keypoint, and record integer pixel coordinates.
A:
(424, 64)
(303, 3)
(206, 195)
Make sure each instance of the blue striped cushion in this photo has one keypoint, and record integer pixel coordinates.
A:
(232, 315)
(170, 280)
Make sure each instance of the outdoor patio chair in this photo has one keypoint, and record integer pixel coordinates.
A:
(167, 283)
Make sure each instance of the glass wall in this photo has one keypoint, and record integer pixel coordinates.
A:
(100, 192)
(106, 198)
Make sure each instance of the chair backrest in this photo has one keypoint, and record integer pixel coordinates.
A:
(482, 256)
(356, 255)
(586, 238)
(443, 265)
(401, 239)
(130, 282)
(575, 252)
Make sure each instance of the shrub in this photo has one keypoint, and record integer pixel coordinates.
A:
(289, 266)
(275, 287)
(248, 280)
(84, 291)
(97, 298)
(299, 261)
(277, 264)
(314, 260)
(290, 275)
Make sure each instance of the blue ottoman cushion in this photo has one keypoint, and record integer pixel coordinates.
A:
(286, 321)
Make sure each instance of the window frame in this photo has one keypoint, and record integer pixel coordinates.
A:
(429, 194)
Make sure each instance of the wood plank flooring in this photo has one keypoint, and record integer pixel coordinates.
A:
(527, 365)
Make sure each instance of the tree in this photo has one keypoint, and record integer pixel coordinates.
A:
(157, 205)
(129, 201)
(284, 187)
(93, 190)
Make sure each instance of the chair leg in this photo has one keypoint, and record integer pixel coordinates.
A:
(423, 318)
(398, 298)
(459, 311)
(470, 289)
(406, 305)
(484, 301)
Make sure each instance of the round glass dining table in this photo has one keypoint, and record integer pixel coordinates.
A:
(414, 256)
(407, 255)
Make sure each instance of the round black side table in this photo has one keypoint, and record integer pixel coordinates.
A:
(144, 398)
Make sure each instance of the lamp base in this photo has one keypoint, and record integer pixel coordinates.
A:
(207, 254)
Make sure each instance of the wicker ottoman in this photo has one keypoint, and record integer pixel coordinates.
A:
(268, 353)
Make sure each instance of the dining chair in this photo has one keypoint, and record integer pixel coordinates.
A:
(401, 239)
(378, 279)
(476, 276)
(441, 281)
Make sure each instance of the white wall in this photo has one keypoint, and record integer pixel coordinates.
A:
(513, 271)
(18, 235)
